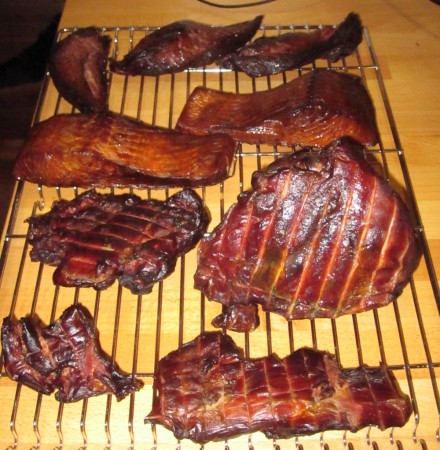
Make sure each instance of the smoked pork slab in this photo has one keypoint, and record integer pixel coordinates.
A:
(96, 238)
(320, 234)
(208, 391)
(313, 109)
(102, 150)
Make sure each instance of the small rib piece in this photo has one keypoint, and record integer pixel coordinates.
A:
(64, 356)
(208, 391)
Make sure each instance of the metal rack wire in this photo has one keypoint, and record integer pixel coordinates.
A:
(147, 327)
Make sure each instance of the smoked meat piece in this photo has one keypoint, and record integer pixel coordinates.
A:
(319, 235)
(95, 238)
(183, 45)
(208, 391)
(77, 65)
(64, 356)
(274, 54)
(104, 150)
(314, 109)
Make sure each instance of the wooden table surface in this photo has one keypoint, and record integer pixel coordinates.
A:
(405, 35)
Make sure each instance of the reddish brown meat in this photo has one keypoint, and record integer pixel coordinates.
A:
(63, 356)
(319, 235)
(77, 65)
(111, 150)
(95, 239)
(207, 391)
(273, 54)
(184, 44)
(313, 109)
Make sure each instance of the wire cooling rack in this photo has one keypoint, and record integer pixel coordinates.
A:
(136, 331)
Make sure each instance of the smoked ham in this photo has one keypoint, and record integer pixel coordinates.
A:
(320, 234)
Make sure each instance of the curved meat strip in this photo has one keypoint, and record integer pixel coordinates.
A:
(184, 44)
(95, 238)
(274, 54)
(77, 65)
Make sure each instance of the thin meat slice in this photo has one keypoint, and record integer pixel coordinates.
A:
(313, 109)
(184, 44)
(274, 54)
(96, 239)
(107, 149)
(319, 235)
(208, 391)
(64, 356)
(77, 65)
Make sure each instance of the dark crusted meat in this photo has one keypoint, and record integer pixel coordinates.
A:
(313, 109)
(111, 150)
(77, 65)
(273, 54)
(95, 239)
(184, 44)
(319, 235)
(207, 391)
(65, 357)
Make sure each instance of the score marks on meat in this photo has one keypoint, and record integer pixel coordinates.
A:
(208, 391)
(95, 238)
(319, 235)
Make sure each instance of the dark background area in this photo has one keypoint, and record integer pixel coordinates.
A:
(27, 31)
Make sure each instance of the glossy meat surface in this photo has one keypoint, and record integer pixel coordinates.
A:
(208, 391)
(313, 109)
(111, 150)
(273, 54)
(95, 238)
(319, 235)
(64, 356)
(77, 65)
(184, 44)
